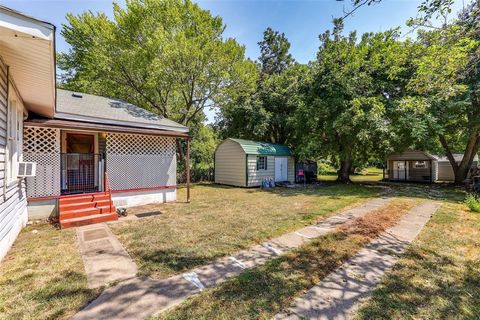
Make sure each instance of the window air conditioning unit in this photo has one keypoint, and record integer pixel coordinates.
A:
(27, 169)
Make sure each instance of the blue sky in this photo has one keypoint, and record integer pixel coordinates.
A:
(302, 20)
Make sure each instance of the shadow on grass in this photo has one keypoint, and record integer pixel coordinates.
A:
(172, 260)
(428, 285)
(266, 290)
(64, 293)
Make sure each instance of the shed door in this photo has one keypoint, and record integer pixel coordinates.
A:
(400, 170)
(281, 169)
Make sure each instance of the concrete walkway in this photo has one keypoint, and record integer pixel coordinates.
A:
(141, 297)
(340, 293)
(103, 255)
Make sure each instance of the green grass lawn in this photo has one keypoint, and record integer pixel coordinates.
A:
(438, 277)
(43, 277)
(369, 174)
(262, 292)
(222, 220)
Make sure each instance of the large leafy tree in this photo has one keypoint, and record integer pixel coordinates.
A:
(351, 88)
(267, 113)
(168, 56)
(447, 79)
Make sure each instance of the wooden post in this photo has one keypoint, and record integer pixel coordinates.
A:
(431, 171)
(188, 170)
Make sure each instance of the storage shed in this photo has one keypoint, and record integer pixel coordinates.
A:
(411, 165)
(445, 170)
(420, 166)
(246, 163)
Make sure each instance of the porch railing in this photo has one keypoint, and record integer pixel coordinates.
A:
(82, 172)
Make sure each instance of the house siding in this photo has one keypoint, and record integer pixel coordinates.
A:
(230, 164)
(13, 202)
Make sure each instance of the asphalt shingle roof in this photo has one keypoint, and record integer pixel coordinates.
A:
(100, 109)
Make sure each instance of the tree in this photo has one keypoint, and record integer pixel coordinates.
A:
(347, 97)
(166, 56)
(267, 114)
(204, 144)
(447, 79)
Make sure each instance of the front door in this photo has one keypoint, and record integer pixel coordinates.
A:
(281, 169)
(78, 164)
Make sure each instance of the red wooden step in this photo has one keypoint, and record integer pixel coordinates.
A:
(68, 214)
(84, 198)
(91, 219)
(84, 205)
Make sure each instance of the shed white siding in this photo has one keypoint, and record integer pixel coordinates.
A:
(13, 202)
(255, 177)
(445, 171)
(230, 164)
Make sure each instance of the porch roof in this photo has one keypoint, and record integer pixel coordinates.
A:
(88, 126)
(96, 109)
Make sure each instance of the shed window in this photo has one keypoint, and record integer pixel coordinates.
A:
(420, 164)
(261, 163)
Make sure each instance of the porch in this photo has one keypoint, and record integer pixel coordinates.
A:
(410, 170)
(74, 159)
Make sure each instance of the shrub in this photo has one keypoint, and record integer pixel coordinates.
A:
(472, 202)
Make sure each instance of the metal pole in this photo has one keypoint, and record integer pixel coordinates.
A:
(188, 169)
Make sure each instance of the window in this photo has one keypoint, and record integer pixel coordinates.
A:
(420, 164)
(261, 163)
(14, 140)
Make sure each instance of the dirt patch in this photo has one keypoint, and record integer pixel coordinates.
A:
(374, 223)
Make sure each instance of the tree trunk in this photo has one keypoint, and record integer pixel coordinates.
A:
(464, 167)
(461, 169)
(344, 171)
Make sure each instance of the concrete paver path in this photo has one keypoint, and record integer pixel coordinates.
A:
(103, 255)
(141, 297)
(340, 293)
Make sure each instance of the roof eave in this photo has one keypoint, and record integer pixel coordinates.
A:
(75, 117)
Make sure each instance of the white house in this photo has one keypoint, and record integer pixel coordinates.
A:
(92, 153)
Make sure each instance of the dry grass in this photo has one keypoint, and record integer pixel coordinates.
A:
(222, 220)
(371, 225)
(438, 277)
(43, 277)
(262, 292)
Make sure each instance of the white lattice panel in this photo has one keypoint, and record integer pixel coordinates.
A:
(42, 145)
(141, 171)
(130, 144)
(41, 140)
(140, 161)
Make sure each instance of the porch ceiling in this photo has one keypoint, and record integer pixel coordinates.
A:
(27, 46)
(88, 126)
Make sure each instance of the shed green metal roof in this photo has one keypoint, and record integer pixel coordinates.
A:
(263, 148)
